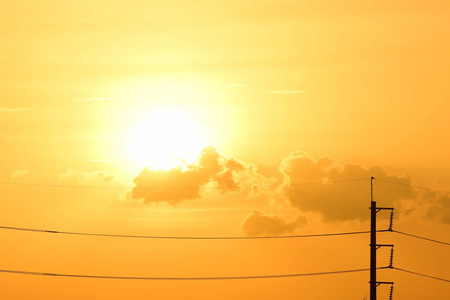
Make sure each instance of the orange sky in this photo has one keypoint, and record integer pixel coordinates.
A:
(255, 96)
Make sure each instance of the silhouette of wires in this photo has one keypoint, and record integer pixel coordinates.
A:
(184, 278)
(186, 237)
(421, 237)
(175, 188)
(414, 186)
(420, 274)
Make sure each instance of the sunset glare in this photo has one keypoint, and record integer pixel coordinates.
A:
(165, 138)
(225, 149)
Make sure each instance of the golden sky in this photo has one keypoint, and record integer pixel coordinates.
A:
(212, 118)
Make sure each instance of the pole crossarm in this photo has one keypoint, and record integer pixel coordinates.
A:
(383, 245)
(384, 282)
(384, 208)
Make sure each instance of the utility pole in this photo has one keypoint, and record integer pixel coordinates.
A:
(373, 244)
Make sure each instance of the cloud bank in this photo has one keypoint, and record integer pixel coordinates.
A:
(311, 190)
(439, 206)
(260, 224)
(334, 200)
(212, 173)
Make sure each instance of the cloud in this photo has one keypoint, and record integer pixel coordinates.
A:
(12, 109)
(337, 201)
(87, 178)
(169, 186)
(212, 173)
(260, 224)
(18, 173)
(313, 190)
(439, 206)
(178, 183)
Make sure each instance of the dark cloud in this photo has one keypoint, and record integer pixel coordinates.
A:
(170, 186)
(226, 180)
(182, 183)
(338, 201)
(179, 183)
(439, 209)
(259, 224)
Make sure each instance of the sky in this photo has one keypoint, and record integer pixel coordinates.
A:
(223, 119)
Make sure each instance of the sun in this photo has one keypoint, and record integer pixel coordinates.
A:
(164, 138)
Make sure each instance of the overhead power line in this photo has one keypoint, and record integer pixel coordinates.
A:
(414, 186)
(185, 237)
(174, 188)
(421, 237)
(183, 278)
(64, 186)
(420, 274)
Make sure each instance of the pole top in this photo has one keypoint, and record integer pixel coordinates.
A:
(371, 189)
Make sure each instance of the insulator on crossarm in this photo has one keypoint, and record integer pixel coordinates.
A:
(391, 222)
(392, 292)
(391, 261)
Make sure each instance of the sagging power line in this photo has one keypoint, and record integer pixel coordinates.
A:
(31, 184)
(413, 186)
(213, 237)
(184, 278)
(211, 278)
(420, 274)
(373, 232)
(421, 237)
(176, 188)
(185, 237)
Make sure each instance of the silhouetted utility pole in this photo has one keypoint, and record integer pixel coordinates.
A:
(374, 246)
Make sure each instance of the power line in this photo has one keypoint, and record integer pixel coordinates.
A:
(63, 186)
(186, 237)
(414, 186)
(327, 182)
(416, 273)
(182, 278)
(421, 237)
(174, 188)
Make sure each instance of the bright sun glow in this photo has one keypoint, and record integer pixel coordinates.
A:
(165, 138)
(166, 89)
